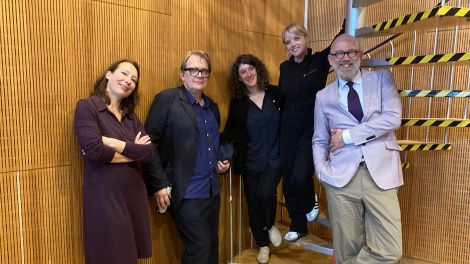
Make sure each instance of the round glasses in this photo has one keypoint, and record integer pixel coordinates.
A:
(351, 53)
(195, 72)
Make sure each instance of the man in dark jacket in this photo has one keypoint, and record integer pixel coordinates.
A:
(184, 125)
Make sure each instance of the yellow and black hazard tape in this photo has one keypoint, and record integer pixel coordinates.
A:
(425, 147)
(423, 59)
(405, 165)
(435, 122)
(434, 12)
(435, 93)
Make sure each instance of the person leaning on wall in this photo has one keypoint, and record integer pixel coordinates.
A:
(357, 157)
(116, 224)
(253, 127)
(183, 123)
(301, 77)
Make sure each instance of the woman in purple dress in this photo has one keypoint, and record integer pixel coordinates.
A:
(116, 226)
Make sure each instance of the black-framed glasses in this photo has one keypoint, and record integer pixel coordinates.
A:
(351, 53)
(195, 72)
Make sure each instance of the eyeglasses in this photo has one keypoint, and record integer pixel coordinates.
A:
(351, 53)
(195, 72)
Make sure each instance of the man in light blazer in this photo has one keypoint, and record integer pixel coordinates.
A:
(357, 159)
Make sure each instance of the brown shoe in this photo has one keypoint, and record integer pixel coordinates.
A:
(263, 255)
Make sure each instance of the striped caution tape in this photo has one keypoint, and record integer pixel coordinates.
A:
(425, 147)
(405, 165)
(435, 93)
(435, 122)
(435, 12)
(437, 58)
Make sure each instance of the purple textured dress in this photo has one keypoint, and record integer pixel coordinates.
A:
(116, 220)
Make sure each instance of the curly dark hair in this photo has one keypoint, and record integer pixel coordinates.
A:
(101, 82)
(237, 88)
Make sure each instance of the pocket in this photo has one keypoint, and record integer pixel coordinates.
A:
(392, 145)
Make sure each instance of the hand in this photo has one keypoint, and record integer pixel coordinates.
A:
(223, 166)
(336, 139)
(145, 140)
(162, 198)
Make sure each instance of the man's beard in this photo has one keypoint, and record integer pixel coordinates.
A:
(347, 75)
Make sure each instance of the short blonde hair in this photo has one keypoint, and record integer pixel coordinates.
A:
(295, 28)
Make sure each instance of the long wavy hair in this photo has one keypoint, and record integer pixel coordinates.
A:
(237, 88)
(101, 82)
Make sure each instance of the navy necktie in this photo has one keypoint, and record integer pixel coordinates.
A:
(354, 105)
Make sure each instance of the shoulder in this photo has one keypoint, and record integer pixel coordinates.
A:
(170, 92)
(285, 64)
(328, 89)
(273, 91)
(87, 103)
(377, 73)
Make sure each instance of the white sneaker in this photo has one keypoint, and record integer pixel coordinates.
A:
(263, 255)
(291, 236)
(275, 236)
(312, 215)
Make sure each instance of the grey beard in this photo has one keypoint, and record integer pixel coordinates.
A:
(349, 75)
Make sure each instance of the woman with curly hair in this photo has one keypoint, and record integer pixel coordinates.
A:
(253, 128)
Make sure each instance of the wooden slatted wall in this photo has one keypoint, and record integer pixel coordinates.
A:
(50, 53)
(435, 199)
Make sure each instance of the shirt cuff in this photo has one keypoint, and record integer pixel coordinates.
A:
(347, 137)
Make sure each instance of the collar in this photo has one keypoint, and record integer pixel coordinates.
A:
(193, 100)
(101, 106)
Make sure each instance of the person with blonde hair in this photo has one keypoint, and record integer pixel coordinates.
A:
(301, 77)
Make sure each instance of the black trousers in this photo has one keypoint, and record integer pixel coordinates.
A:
(260, 192)
(297, 162)
(197, 221)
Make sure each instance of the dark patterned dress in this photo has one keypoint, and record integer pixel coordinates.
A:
(116, 222)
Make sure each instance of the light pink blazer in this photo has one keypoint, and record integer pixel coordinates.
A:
(374, 138)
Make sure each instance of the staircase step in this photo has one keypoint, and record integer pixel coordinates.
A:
(409, 145)
(435, 93)
(364, 3)
(435, 122)
(463, 57)
(442, 16)
(405, 165)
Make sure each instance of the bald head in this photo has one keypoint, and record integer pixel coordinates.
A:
(345, 56)
(345, 39)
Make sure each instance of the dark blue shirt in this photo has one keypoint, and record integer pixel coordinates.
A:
(204, 182)
(263, 136)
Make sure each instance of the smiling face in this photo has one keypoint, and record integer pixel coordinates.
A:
(122, 81)
(248, 76)
(348, 66)
(195, 85)
(296, 44)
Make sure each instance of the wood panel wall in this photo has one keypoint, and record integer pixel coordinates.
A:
(435, 199)
(50, 53)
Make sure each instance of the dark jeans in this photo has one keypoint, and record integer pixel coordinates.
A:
(260, 192)
(197, 221)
